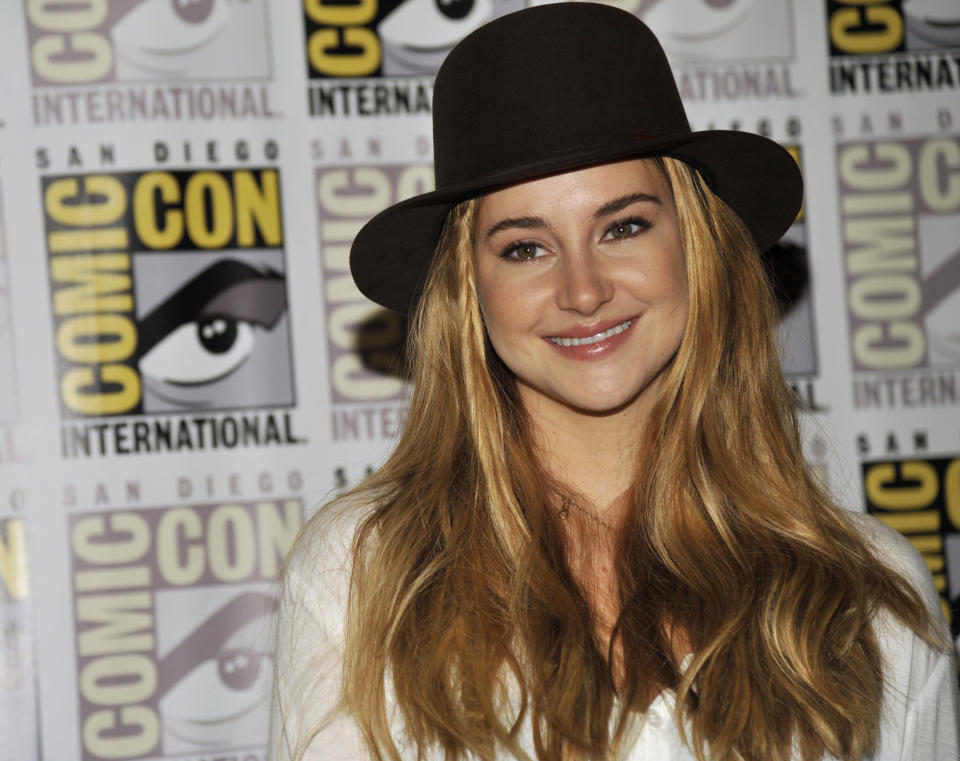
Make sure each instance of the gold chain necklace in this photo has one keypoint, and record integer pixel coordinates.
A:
(564, 513)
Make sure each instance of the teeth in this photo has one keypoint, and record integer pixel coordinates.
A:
(593, 339)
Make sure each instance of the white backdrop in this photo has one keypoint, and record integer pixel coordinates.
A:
(186, 369)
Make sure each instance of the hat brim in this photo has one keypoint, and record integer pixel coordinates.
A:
(755, 176)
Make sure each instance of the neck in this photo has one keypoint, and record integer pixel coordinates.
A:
(594, 454)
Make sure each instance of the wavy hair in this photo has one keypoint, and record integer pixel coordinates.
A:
(464, 617)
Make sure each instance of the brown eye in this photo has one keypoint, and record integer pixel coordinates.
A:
(626, 228)
(521, 252)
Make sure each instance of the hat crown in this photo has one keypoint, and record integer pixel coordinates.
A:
(549, 80)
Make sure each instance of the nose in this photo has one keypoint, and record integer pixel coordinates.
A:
(586, 285)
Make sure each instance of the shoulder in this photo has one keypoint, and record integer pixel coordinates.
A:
(325, 541)
(920, 714)
(306, 720)
(315, 581)
(895, 551)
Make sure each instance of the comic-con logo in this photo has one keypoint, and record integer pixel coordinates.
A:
(893, 45)
(921, 499)
(97, 41)
(168, 291)
(363, 340)
(172, 612)
(900, 205)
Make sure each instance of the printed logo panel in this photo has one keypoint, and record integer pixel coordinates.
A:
(169, 296)
(173, 613)
(131, 48)
(900, 206)
(880, 46)
(18, 692)
(363, 339)
(921, 499)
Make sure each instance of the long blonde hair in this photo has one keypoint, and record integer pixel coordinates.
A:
(464, 618)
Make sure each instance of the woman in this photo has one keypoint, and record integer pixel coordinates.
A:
(597, 536)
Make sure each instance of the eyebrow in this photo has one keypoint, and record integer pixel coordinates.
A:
(611, 207)
(524, 223)
(619, 204)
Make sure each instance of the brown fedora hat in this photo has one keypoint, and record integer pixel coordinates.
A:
(550, 89)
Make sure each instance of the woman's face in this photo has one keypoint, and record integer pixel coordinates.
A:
(582, 285)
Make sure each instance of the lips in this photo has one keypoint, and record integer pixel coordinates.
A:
(592, 338)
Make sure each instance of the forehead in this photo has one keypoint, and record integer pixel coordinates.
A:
(586, 189)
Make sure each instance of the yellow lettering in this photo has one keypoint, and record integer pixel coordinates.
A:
(870, 30)
(97, 338)
(257, 208)
(92, 213)
(211, 230)
(920, 492)
(951, 491)
(100, 286)
(166, 232)
(13, 559)
(79, 390)
(323, 43)
(341, 14)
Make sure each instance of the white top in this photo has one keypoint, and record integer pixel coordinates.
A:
(920, 714)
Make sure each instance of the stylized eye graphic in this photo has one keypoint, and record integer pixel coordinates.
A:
(935, 22)
(212, 685)
(157, 34)
(207, 329)
(239, 670)
(688, 20)
(454, 9)
(193, 11)
(200, 352)
(427, 26)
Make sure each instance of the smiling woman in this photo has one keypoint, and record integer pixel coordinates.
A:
(597, 536)
(582, 286)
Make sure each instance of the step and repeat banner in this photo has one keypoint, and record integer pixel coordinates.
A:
(187, 370)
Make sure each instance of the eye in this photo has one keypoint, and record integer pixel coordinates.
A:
(626, 228)
(522, 251)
